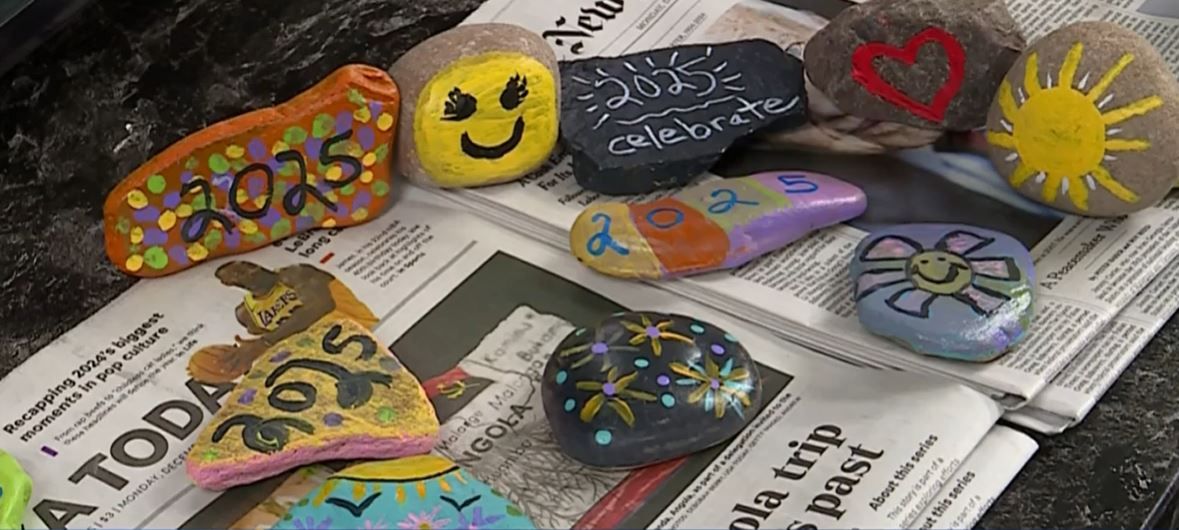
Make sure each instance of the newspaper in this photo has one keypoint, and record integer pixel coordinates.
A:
(1088, 270)
(103, 417)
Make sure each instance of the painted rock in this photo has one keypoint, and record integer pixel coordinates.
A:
(712, 226)
(926, 63)
(332, 392)
(658, 119)
(318, 160)
(1087, 121)
(15, 489)
(424, 491)
(953, 291)
(481, 106)
(641, 388)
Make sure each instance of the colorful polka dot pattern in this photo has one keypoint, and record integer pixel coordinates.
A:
(321, 160)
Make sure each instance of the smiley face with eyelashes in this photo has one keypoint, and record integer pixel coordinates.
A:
(485, 119)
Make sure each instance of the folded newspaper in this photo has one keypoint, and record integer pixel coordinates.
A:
(1088, 270)
(104, 416)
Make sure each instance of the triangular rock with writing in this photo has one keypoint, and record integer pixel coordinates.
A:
(332, 392)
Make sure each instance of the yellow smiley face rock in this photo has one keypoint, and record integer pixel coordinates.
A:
(482, 106)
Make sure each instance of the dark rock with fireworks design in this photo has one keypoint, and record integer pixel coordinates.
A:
(641, 388)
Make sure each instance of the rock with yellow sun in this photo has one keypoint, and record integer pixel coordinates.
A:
(1086, 122)
(481, 106)
(953, 291)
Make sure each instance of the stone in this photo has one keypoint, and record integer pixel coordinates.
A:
(276, 305)
(15, 489)
(1087, 121)
(317, 160)
(426, 491)
(332, 392)
(934, 64)
(953, 291)
(640, 388)
(481, 106)
(658, 119)
(712, 226)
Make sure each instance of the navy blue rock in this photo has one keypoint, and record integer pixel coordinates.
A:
(641, 388)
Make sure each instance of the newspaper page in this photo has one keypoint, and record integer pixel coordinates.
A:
(1088, 270)
(979, 481)
(103, 418)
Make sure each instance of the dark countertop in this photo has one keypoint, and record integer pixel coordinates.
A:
(127, 78)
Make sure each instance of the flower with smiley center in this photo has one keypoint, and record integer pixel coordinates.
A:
(952, 269)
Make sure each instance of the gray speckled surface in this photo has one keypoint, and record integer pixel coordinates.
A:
(128, 78)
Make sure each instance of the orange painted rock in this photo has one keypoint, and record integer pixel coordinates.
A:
(317, 160)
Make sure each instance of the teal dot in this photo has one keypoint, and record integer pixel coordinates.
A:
(562, 375)
(697, 329)
(668, 400)
(579, 331)
(603, 437)
(570, 404)
(642, 362)
(730, 338)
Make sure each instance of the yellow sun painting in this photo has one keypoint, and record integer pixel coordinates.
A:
(1062, 135)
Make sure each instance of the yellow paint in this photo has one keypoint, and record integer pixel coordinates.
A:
(260, 200)
(167, 220)
(136, 235)
(485, 77)
(940, 272)
(247, 226)
(333, 173)
(279, 147)
(362, 114)
(366, 177)
(385, 121)
(242, 196)
(1059, 133)
(197, 252)
(328, 223)
(184, 210)
(134, 262)
(369, 159)
(235, 151)
(136, 199)
(639, 262)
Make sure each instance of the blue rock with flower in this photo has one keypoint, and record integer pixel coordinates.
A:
(640, 388)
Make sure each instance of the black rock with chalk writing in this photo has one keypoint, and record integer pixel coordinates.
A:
(658, 119)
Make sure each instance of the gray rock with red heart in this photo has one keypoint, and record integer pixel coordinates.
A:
(934, 64)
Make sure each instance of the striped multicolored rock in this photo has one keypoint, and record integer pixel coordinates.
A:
(716, 225)
(332, 392)
(317, 160)
(424, 491)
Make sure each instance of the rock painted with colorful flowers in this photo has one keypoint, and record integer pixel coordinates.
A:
(426, 491)
(318, 160)
(953, 291)
(641, 388)
(720, 224)
(332, 392)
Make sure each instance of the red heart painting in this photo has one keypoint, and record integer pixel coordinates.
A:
(864, 71)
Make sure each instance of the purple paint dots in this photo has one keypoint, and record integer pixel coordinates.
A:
(148, 214)
(154, 236)
(223, 181)
(258, 150)
(312, 146)
(653, 332)
(322, 187)
(172, 200)
(254, 186)
(717, 349)
(366, 137)
(274, 165)
(714, 384)
(608, 389)
(362, 199)
(374, 108)
(599, 348)
(272, 216)
(303, 223)
(663, 380)
(185, 177)
(280, 356)
(233, 238)
(178, 255)
(343, 122)
(332, 419)
(247, 397)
